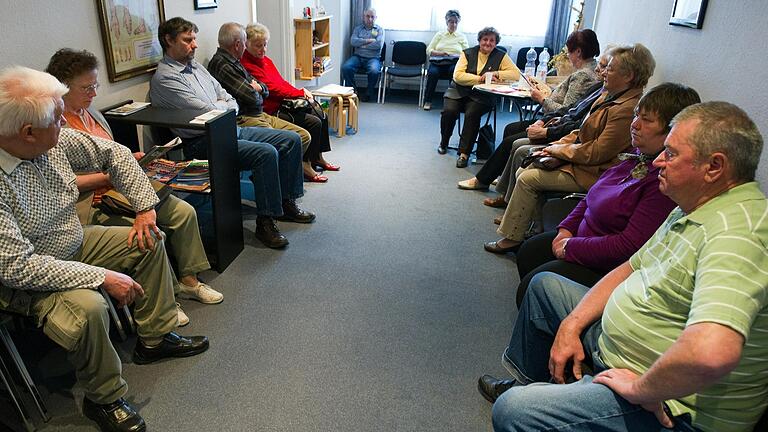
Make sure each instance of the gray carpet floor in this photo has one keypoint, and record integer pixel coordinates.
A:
(380, 316)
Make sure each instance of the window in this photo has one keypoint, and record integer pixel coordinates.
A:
(510, 17)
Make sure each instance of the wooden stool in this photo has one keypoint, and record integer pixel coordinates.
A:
(342, 112)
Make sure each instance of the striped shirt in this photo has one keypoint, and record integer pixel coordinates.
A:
(708, 266)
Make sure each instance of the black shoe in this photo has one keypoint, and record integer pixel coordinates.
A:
(442, 150)
(491, 388)
(267, 233)
(172, 345)
(462, 161)
(292, 213)
(119, 416)
(495, 248)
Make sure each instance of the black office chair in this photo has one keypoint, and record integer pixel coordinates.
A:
(521, 60)
(409, 60)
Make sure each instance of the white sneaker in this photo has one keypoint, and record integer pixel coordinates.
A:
(427, 106)
(472, 184)
(202, 293)
(183, 318)
(495, 181)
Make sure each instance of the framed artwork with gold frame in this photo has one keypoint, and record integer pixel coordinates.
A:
(129, 33)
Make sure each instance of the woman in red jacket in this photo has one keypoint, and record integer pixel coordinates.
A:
(261, 67)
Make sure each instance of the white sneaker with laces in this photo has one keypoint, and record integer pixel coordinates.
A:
(183, 318)
(427, 106)
(201, 292)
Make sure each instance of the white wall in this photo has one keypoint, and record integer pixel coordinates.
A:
(722, 61)
(33, 30)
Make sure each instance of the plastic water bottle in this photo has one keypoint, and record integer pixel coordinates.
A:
(541, 71)
(530, 64)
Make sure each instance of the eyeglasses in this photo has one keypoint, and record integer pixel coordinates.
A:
(90, 88)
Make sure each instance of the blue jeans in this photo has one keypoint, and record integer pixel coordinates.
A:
(371, 66)
(535, 404)
(274, 158)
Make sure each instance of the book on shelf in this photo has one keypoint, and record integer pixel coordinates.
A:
(163, 170)
(194, 177)
(127, 109)
(184, 176)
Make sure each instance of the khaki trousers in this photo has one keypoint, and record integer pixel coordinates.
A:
(78, 321)
(178, 220)
(528, 197)
(273, 122)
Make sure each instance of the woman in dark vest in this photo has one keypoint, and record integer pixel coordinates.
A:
(470, 70)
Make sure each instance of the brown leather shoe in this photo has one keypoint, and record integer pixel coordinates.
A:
(118, 416)
(497, 202)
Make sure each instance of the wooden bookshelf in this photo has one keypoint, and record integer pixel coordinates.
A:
(306, 49)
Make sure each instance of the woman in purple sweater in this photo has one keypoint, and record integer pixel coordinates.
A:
(620, 212)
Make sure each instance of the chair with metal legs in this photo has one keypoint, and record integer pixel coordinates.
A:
(409, 60)
(10, 356)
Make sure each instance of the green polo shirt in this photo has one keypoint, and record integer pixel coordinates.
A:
(708, 266)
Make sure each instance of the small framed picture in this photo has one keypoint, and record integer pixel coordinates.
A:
(688, 13)
(206, 4)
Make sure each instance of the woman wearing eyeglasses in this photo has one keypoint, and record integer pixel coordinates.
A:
(178, 219)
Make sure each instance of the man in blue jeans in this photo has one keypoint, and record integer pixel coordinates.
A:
(367, 40)
(273, 156)
(673, 339)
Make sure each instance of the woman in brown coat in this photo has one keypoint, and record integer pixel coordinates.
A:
(588, 151)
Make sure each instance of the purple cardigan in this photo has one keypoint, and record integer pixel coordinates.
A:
(618, 216)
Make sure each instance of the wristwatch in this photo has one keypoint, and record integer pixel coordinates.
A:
(565, 243)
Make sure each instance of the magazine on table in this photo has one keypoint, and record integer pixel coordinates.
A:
(159, 151)
(127, 109)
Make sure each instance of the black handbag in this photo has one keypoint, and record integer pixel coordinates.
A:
(546, 163)
(295, 105)
(486, 140)
(289, 107)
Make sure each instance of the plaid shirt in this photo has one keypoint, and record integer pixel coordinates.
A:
(237, 81)
(39, 229)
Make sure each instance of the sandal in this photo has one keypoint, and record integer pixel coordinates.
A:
(497, 202)
(317, 178)
(326, 166)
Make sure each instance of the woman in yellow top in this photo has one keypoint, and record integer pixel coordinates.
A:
(444, 52)
(473, 64)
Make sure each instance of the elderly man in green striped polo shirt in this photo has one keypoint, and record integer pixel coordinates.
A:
(677, 337)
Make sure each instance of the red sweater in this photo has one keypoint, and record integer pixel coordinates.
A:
(265, 71)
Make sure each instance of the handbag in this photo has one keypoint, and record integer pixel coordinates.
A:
(115, 203)
(295, 105)
(546, 163)
(486, 140)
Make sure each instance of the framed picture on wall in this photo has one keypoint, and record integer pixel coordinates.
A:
(129, 33)
(688, 13)
(206, 4)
